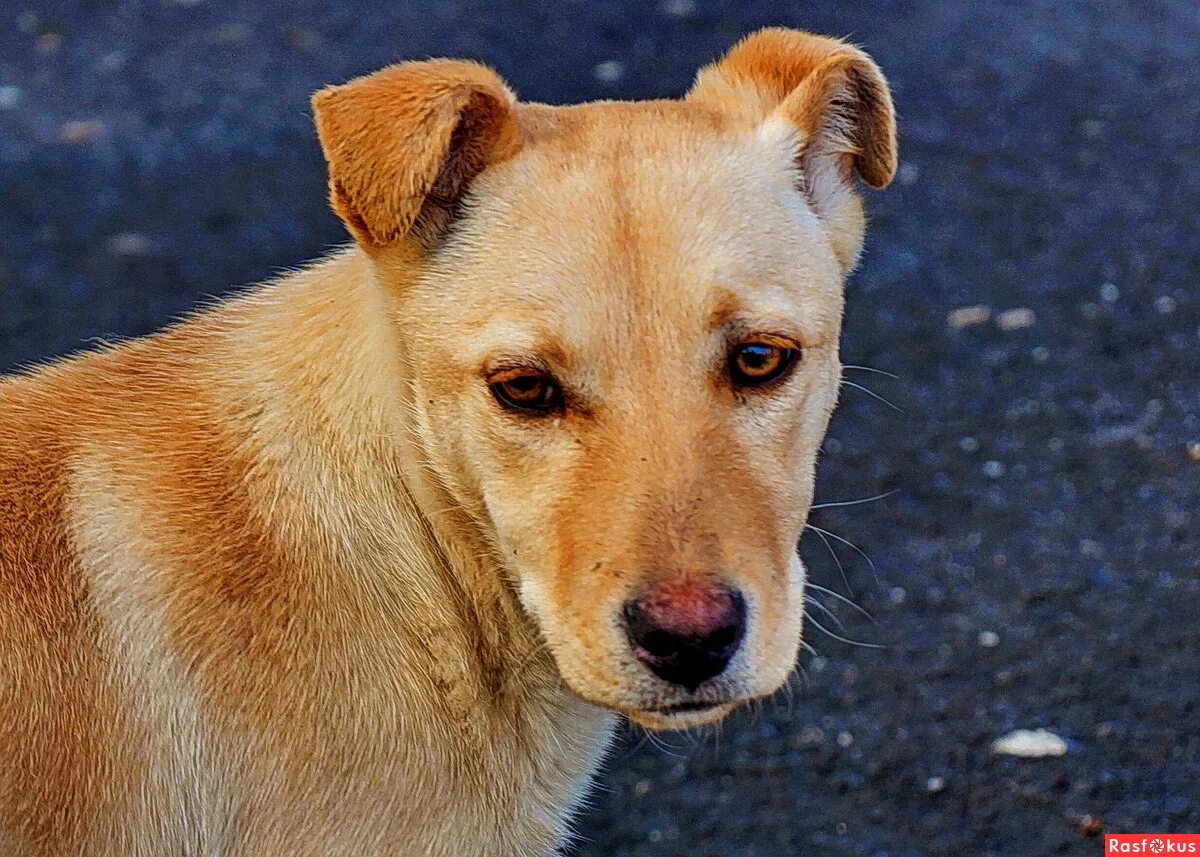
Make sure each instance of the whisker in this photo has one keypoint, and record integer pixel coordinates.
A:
(841, 598)
(873, 395)
(841, 639)
(808, 599)
(805, 681)
(871, 369)
(663, 746)
(850, 545)
(837, 561)
(855, 502)
(639, 745)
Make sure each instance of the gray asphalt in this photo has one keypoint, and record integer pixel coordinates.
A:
(1037, 564)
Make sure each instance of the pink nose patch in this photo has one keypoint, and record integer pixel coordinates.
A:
(687, 606)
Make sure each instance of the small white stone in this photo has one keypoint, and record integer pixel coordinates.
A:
(1109, 293)
(1165, 304)
(845, 739)
(609, 71)
(678, 8)
(908, 174)
(1030, 744)
(1040, 353)
(10, 97)
(968, 444)
(1016, 319)
(993, 469)
(989, 639)
(129, 244)
(811, 735)
(933, 785)
(113, 61)
(968, 316)
(897, 595)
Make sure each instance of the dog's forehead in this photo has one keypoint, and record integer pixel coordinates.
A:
(636, 219)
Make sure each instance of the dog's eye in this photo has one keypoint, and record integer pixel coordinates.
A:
(527, 390)
(755, 364)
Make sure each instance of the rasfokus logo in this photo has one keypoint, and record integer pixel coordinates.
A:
(1152, 843)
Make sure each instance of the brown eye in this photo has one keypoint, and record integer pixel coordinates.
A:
(755, 364)
(527, 390)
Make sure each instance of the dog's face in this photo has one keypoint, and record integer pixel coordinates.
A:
(622, 324)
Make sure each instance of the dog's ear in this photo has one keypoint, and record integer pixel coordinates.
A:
(830, 103)
(404, 144)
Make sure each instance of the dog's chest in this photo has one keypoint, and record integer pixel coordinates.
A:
(490, 788)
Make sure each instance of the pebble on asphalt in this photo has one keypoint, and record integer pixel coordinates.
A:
(129, 244)
(10, 97)
(609, 71)
(1030, 744)
(1016, 319)
(81, 131)
(968, 316)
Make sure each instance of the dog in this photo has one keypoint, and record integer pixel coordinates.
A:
(369, 560)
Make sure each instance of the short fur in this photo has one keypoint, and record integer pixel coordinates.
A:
(285, 579)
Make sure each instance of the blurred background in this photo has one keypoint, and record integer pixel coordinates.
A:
(1030, 280)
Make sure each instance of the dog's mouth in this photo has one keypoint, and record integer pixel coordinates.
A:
(682, 715)
(690, 706)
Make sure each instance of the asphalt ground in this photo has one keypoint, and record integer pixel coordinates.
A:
(1036, 565)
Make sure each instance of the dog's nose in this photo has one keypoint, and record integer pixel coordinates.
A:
(686, 631)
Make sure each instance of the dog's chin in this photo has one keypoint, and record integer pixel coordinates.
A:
(664, 717)
(678, 719)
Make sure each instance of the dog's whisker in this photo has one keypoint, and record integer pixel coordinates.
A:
(840, 638)
(662, 746)
(641, 742)
(873, 395)
(870, 369)
(848, 602)
(839, 503)
(848, 544)
(837, 561)
(809, 599)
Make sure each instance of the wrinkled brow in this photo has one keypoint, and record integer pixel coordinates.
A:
(732, 312)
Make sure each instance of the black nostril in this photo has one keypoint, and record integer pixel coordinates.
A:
(660, 644)
(681, 642)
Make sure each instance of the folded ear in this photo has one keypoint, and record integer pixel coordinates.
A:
(403, 145)
(828, 101)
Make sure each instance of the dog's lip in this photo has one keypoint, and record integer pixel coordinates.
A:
(690, 706)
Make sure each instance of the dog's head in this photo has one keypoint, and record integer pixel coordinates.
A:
(621, 322)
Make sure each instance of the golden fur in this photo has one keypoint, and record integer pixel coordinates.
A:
(285, 580)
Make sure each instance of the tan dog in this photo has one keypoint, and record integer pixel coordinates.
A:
(361, 562)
